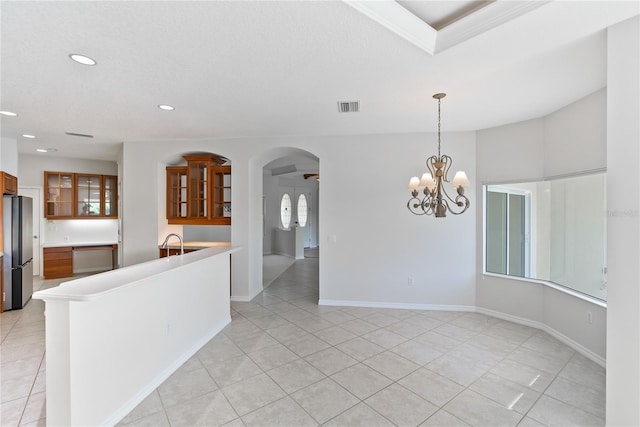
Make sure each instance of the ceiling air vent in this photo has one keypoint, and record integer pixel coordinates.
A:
(83, 135)
(348, 106)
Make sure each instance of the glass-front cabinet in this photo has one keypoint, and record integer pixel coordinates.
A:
(198, 168)
(110, 192)
(59, 200)
(200, 192)
(222, 191)
(176, 192)
(79, 195)
(88, 190)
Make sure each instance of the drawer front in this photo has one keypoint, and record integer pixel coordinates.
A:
(58, 249)
(56, 256)
(58, 262)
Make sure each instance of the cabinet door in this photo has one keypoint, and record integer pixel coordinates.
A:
(59, 198)
(110, 195)
(197, 174)
(176, 192)
(222, 194)
(88, 195)
(9, 184)
(58, 262)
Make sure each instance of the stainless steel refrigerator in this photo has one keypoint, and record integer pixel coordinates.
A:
(17, 229)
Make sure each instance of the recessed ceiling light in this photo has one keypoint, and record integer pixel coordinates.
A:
(166, 107)
(46, 150)
(81, 59)
(8, 113)
(26, 135)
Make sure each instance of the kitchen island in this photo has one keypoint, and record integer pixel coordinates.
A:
(113, 338)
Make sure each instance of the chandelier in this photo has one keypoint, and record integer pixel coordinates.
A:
(436, 200)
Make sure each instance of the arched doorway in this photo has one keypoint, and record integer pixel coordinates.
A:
(290, 192)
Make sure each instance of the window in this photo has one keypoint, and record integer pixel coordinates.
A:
(302, 210)
(507, 231)
(285, 211)
(553, 230)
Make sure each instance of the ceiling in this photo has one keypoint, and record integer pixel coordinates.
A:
(271, 68)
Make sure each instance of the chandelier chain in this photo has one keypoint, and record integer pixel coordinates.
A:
(439, 99)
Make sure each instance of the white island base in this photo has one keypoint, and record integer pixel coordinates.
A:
(113, 338)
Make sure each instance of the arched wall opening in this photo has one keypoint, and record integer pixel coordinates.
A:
(172, 196)
(279, 160)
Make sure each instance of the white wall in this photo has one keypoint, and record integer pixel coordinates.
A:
(533, 150)
(271, 210)
(32, 167)
(573, 144)
(9, 156)
(623, 188)
(378, 242)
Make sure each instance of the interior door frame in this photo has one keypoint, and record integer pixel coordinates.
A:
(31, 191)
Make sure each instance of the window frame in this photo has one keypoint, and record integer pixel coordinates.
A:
(528, 253)
(564, 288)
(290, 208)
(306, 210)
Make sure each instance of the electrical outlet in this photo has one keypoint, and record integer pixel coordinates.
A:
(410, 281)
(589, 317)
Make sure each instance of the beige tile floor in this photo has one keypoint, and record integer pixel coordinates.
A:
(285, 361)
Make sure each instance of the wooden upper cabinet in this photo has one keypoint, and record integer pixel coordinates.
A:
(176, 193)
(78, 195)
(221, 179)
(9, 183)
(110, 196)
(200, 192)
(88, 195)
(60, 195)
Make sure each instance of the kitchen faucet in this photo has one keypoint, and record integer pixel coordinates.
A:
(165, 243)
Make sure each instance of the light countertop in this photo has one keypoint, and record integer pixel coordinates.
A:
(196, 245)
(92, 287)
(62, 244)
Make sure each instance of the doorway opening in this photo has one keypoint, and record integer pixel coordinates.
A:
(290, 216)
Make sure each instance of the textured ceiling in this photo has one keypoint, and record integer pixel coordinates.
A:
(269, 68)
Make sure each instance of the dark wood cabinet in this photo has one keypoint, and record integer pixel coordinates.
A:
(58, 262)
(174, 251)
(59, 198)
(200, 192)
(78, 195)
(176, 193)
(9, 183)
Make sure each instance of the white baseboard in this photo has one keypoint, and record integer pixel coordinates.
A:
(470, 308)
(118, 415)
(400, 305)
(241, 298)
(546, 328)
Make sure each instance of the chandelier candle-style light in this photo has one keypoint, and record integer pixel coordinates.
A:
(436, 200)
